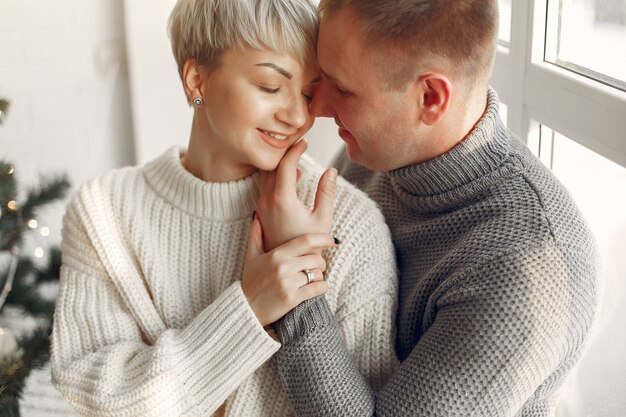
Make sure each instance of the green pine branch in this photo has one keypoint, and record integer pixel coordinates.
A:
(34, 349)
(35, 353)
(52, 271)
(4, 109)
(25, 292)
(8, 185)
(49, 190)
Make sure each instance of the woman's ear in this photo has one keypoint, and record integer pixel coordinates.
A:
(192, 81)
(434, 99)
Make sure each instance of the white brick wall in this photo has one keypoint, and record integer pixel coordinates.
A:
(63, 67)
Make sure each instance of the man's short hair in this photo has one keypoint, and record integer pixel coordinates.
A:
(461, 32)
(205, 29)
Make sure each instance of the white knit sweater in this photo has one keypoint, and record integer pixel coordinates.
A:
(151, 319)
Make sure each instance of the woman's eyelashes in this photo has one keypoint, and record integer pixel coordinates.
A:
(269, 90)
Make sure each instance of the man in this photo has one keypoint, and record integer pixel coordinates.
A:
(498, 278)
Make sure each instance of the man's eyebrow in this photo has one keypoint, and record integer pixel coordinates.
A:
(316, 79)
(327, 76)
(282, 71)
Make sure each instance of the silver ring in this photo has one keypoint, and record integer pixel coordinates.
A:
(310, 276)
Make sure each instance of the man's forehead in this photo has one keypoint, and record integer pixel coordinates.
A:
(339, 47)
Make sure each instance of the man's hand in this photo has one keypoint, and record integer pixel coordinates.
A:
(282, 215)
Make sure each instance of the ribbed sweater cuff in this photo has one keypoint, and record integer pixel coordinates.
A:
(308, 316)
(228, 332)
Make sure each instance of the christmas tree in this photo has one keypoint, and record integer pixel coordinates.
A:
(21, 278)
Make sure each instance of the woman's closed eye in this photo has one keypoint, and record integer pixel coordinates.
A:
(269, 90)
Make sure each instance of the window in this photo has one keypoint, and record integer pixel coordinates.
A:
(536, 87)
(504, 113)
(562, 78)
(589, 37)
(505, 22)
(597, 185)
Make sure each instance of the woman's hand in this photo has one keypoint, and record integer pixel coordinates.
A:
(275, 282)
(283, 216)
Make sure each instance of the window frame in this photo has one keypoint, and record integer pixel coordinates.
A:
(587, 111)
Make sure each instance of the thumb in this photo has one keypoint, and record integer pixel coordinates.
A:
(325, 195)
(255, 239)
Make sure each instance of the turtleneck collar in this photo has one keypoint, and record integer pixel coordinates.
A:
(482, 152)
(210, 200)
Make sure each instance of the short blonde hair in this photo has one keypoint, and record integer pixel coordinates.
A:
(462, 32)
(204, 29)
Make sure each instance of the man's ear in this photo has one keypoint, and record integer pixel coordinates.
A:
(192, 80)
(435, 95)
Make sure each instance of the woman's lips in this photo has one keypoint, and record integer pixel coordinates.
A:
(275, 140)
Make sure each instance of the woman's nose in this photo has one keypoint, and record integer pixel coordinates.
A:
(294, 113)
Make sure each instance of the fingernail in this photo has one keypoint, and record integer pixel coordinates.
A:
(337, 241)
(332, 175)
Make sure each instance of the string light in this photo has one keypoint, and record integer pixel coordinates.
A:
(12, 205)
(10, 171)
(38, 252)
(32, 223)
(44, 231)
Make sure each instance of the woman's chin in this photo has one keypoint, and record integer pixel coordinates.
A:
(269, 164)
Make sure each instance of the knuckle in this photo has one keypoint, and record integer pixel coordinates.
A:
(322, 287)
(274, 258)
(309, 240)
(282, 269)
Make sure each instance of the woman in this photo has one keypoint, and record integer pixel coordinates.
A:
(167, 291)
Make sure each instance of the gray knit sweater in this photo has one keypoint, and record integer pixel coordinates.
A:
(498, 290)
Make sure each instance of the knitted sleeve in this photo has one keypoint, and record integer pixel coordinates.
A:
(111, 359)
(499, 332)
(352, 348)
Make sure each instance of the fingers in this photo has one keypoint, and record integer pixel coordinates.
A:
(316, 275)
(311, 262)
(267, 183)
(255, 239)
(286, 174)
(306, 244)
(325, 195)
(312, 290)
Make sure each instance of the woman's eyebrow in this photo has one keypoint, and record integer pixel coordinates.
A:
(282, 71)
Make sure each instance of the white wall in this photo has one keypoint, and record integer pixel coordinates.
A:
(62, 66)
(161, 116)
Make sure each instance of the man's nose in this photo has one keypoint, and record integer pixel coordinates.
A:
(321, 104)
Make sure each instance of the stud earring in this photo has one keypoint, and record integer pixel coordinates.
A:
(197, 101)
